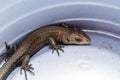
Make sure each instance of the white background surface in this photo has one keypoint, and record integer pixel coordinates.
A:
(98, 61)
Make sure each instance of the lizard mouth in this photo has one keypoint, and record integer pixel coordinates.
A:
(88, 43)
(85, 43)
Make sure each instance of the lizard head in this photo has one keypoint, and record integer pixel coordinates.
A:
(76, 36)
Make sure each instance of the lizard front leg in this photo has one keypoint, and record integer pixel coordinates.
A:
(26, 66)
(55, 46)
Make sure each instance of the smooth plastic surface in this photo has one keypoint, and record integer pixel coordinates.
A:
(99, 18)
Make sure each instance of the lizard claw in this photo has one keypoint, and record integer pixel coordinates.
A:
(27, 68)
(10, 50)
(57, 48)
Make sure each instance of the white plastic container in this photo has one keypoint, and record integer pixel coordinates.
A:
(99, 18)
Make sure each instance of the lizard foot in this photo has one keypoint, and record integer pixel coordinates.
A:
(57, 48)
(10, 50)
(26, 68)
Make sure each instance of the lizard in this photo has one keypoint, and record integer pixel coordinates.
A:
(39, 38)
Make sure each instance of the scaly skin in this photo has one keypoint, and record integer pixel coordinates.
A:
(37, 40)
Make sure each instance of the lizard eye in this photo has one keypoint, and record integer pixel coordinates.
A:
(78, 39)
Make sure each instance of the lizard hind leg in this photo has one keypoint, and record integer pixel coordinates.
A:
(26, 66)
(10, 50)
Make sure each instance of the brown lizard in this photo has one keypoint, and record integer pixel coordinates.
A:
(39, 38)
